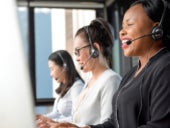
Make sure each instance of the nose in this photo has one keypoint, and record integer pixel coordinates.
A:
(51, 74)
(122, 33)
(77, 58)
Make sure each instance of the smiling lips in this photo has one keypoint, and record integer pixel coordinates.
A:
(124, 45)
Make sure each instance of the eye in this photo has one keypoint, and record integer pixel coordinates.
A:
(126, 26)
(130, 24)
(76, 52)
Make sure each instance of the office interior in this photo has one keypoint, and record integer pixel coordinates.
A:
(49, 25)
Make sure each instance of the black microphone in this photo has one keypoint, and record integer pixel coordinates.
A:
(82, 67)
(130, 41)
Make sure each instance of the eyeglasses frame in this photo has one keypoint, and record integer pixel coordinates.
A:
(77, 50)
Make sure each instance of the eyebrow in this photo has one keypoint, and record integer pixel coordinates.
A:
(127, 20)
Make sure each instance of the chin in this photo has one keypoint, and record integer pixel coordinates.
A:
(85, 70)
(128, 54)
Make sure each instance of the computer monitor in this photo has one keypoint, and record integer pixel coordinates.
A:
(16, 109)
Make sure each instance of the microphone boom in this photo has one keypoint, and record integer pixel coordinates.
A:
(130, 41)
(82, 67)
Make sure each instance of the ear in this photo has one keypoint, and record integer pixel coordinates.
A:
(155, 24)
(97, 46)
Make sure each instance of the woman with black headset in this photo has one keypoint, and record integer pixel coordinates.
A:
(63, 71)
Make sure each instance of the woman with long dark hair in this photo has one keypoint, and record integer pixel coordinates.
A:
(62, 70)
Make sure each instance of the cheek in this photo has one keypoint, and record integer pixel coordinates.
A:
(129, 51)
(138, 48)
(52, 73)
(132, 50)
(85, 55)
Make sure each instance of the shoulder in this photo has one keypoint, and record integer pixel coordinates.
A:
(109, 79)
(77, 84)
(112, 75)
(162, 57)
(160, 62)
(76, 88)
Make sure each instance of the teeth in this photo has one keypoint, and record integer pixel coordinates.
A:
(124, 41)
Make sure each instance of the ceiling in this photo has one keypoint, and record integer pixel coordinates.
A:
(68, 3)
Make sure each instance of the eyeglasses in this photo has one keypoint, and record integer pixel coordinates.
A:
(77, 50)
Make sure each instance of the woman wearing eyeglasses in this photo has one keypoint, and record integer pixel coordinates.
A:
(93, 44)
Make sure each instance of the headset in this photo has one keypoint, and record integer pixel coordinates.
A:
(157, 31)
(64, 63)
(93, 51)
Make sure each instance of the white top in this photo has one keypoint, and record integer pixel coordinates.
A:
(96, 104)
(62, 108)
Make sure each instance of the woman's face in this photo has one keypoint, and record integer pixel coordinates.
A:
(56, 71)
(136, 23)
(82, 53)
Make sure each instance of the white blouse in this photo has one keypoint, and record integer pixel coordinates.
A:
(96, 103)
(62, 108)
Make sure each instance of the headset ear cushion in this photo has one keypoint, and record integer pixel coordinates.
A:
(94, 52)
(65, 66)
(157, 33)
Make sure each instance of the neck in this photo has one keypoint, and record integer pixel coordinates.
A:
(98, 70)
(95, 74)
